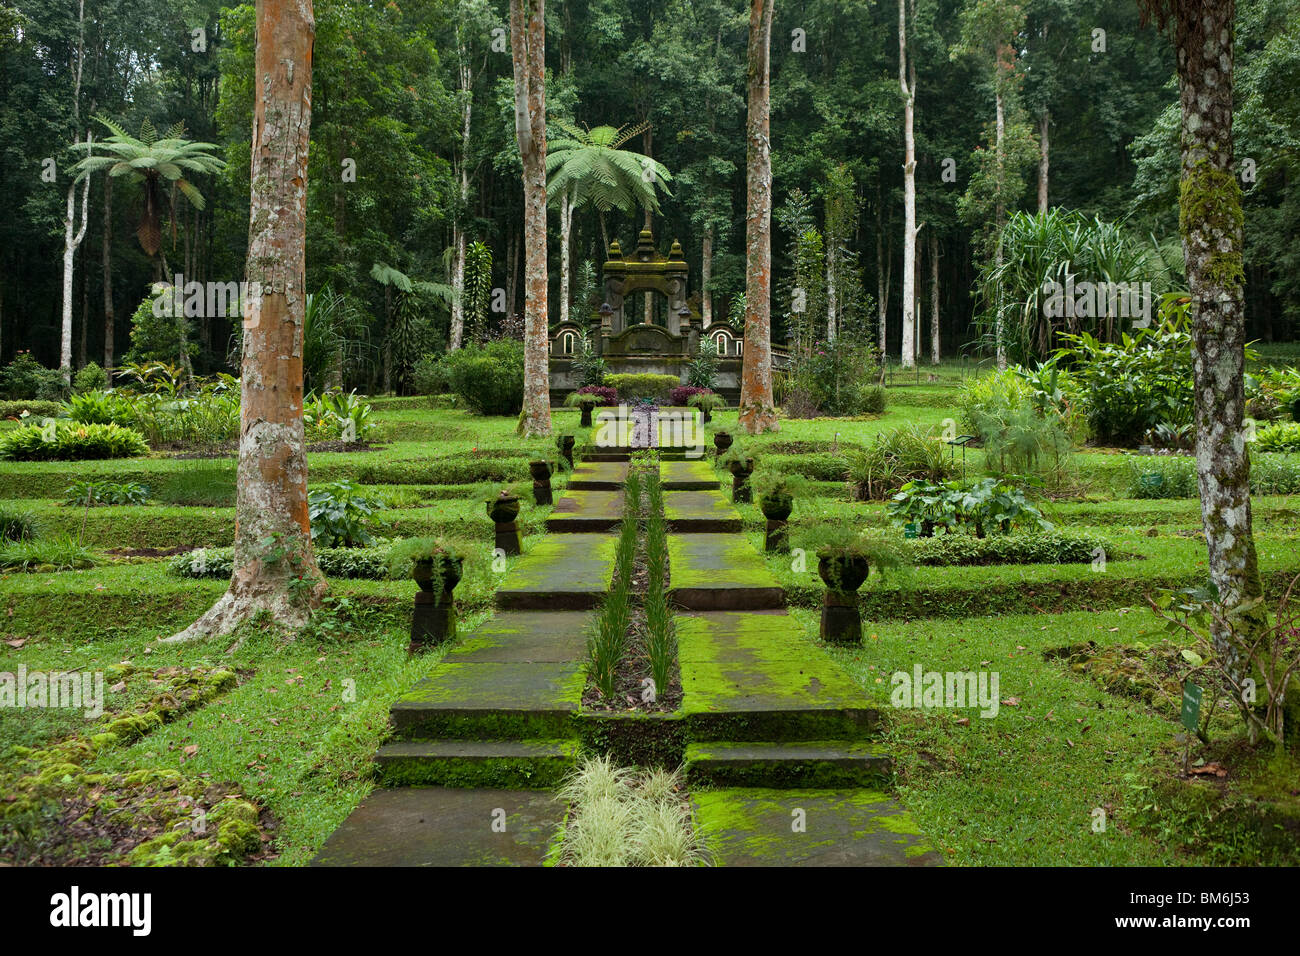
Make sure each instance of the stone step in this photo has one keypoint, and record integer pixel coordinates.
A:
(817, 763)
(586, 512)
(694, 512)
(598, 476)
(493, 700)
(718, 571)
(438, 826)
(521, 764)
(563, 572)
(831, 827)
(751, 676)
(688, 475)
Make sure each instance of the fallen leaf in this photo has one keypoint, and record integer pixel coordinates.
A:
(17, 642)
(1011, 702)
(191, 750)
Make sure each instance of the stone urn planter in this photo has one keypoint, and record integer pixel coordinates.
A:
(585, 408)
(776, 508)
(503, 510)
(740, 472)
(434, 618)
(541, 472)
(843, 573)
(721, 441)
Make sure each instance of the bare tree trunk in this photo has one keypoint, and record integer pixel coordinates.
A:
(528, 52)
(757, 413)
(999, 214)
(271, 497)
(934, 297)
(457, 332)
(832, 267)
(85, 318)
(1044, 121)
(566, 221)
(907, 356)
(71, 241)
(110, 317)
(706, 275)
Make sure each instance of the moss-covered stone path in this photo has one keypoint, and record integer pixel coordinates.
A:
(776, 740)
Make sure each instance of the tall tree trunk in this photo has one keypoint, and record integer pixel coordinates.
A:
(934, 297)
(71, 240)
(85, 317)
(528, 53)
(110, 317)
(457, 333)
(757, 413)
(566, 222)
(1211, 224)
(706, 276)
(907, 357)
(466, 74)
(649, 307)
(271, 490)
(832, 267)
(999, 214)
(1044, 122)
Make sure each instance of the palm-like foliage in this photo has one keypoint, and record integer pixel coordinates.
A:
(1049, 247)
(594, 170)
(152, 161)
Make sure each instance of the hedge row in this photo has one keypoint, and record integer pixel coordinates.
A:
(365, 563)
(1042, 547)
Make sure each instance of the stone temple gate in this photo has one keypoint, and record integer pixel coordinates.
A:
(618, 332)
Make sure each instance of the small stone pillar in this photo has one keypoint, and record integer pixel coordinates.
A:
(434, 618)
(585, 409)
(740, 472)
(777, 538)
(541, 472)
(503, 510)
(842, 574)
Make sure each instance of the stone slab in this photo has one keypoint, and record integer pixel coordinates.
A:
(560, 572)
(852, 827)
(688, 475)
(526, 636)
(491, 700)
(689, 512)
(586, 511)
(525, 764)
(817, 763)
(436, 826)
(718, 572)
(598, 476)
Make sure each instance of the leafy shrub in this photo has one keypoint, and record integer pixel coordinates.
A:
(25, 378)
(489, 378)
(1271, 475)
(157, 338)
(634, 385)
(67, 441)
(703, 369)
(608, 396)
(364, 563)
(334, 416)
(430, 376)
(835, 378)
(683, 394)
(90, 378)
(208, 416)
(100, 407)
(339, 514)
(591, 368)
(872, 400)
(1163, 476)
(58, 553)
(1037, 547)
(815, 467)
(894, 458)
(17, 524)
(30, 409)
(1131, 386)
(105, 493)
(982, 505)
(1284, 436)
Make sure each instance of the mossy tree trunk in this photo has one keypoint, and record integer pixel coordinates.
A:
(528, 53)
(757, 414)
(275, 569)
(1211, 223)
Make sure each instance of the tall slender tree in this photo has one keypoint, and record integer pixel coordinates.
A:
(528, 52)
(1211, 223)
(757, 413)
(907, 84)
(275, 569)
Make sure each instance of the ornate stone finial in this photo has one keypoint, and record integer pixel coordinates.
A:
(675, 254)
(615, 250)
(645, 245)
